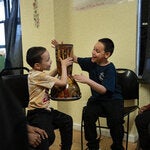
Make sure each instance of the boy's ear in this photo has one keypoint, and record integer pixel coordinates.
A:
(37, 66)
(107, 54)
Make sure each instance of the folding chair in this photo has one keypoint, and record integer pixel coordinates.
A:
(16, 81)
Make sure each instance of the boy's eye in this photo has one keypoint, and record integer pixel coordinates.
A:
(48, 59)
(97, 51)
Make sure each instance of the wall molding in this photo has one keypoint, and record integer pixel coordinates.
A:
(86, 4)
(132, 138)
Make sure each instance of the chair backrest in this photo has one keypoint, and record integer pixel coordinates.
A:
(18, 85)
(13, 71)
(128, 81)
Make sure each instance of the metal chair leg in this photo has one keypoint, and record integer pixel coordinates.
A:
(82, 135)
(82, 125)
(127, 135)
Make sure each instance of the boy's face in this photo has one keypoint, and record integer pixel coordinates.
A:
(46, 61)
(98, 54)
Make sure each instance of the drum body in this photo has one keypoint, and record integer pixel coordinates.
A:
(71, 91)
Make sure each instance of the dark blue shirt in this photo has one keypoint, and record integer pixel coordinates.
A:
(104, 75)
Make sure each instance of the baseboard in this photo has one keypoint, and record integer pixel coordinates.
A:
(77, 126)
(132, 138)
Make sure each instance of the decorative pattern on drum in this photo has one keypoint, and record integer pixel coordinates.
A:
(71, 91)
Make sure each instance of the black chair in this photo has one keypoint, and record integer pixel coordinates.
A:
(15, 79)
(128, 81)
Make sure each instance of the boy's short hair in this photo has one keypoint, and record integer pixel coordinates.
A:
(34, 55)
(108, 43)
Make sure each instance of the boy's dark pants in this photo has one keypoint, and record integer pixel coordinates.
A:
(142, 122)
(49, 121)
(113, 110)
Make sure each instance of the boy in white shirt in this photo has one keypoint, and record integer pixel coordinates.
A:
(40, 114)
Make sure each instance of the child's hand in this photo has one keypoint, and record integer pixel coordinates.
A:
(66, 62)
(55, 43)
(41, 132)
(142, 109)
(80, 78)
(35, 135)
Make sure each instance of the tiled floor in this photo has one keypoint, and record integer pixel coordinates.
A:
(104, 144)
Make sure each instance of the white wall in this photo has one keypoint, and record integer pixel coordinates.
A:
(82, 28)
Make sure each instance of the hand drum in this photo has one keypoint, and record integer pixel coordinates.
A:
(71, 91)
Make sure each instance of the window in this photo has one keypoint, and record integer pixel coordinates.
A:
(142, 36)
(2, 37)
(5, 8)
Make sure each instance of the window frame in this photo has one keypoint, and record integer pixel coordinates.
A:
(141, 40)
(7, 10)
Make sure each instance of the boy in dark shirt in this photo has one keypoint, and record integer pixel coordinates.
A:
(106, 96)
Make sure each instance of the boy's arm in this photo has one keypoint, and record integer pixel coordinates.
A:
(75, 59)
(53, 73)
(95, 86)
(64, 64)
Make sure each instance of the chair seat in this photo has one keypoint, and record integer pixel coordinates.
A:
(128, 110)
